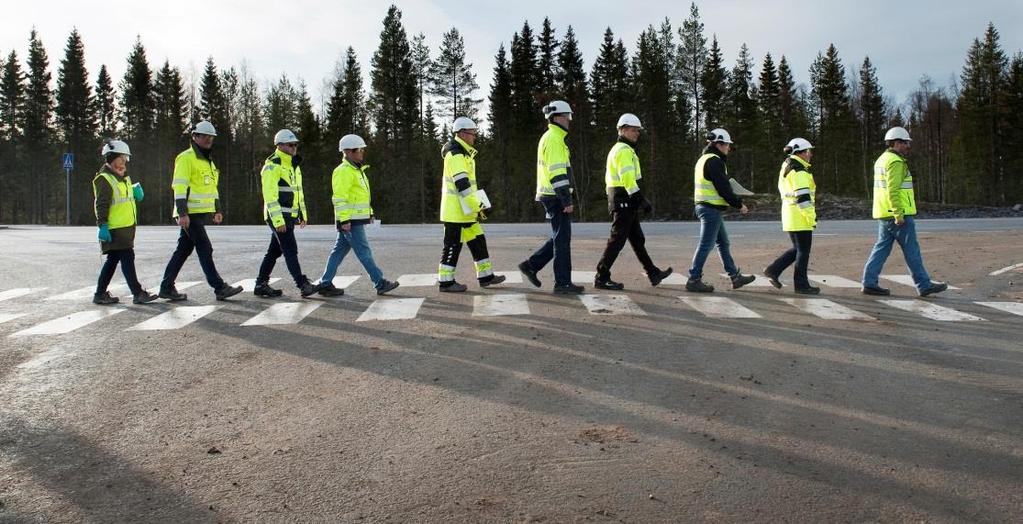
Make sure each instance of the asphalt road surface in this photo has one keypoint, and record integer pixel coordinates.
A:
(511, 403)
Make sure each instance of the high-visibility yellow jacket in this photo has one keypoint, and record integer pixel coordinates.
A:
(282, 189)
(622, 168)
(195, 183)
(459, 184)
(711, 180)
(554, 165)
(122, 211)
(798, 195)
(893, 187)
(351, 194)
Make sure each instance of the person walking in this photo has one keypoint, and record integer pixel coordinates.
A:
(798, 216)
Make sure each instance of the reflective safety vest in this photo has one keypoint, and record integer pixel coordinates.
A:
(459, 185)
(552, 162)
(122, 205)
(798, 195)
(195, 179)
(893, 187)
(282, 189)
(351, 196)
(622, 168)
(703, 189)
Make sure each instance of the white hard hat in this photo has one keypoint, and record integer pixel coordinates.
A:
(116, 146)
(629, 119)
(719, 135)
(799, 144)
(556, 107)
(897, 133)
(351, 142)
(285, 136)
(462, 123)
(204, 128)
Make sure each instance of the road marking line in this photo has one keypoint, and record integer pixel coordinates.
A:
(759, 282)
(88, 291)
(675, 279)
(392, 309)
(1015, 308)
(7, 317)
(499, 305)
(249, 284)
(19, 292)
(284, 313)
(719, 307)
(178, 317)
(511, 277)
(826, 309)
(835, 281)
(1006, 269)
(68, 323)
(584, 276)
(418, 280)
(931, 311)
(343, 282)
(611, 305)
(906, 280)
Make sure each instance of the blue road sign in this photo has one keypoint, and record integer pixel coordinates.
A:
(69, 161)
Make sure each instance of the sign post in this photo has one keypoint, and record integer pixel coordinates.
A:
(69, 164)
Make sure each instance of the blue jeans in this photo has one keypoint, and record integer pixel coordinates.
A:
(712, 232)
(559, 246)
(887, 234)
(352, 240)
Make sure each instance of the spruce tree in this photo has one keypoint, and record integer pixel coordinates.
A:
(547, 65)
(280, 107)
(106, 104)
(572, 86)
(872, 118)
(652, 102)
(496, 163)
(691, 58)
(12, 107)
(39, 136)
(76, 121)
(452, 80)
(170, 128)
(834, 123)
(769, 105)
(527, 121)
(742, 121)
(980, 170)
(714, 86)
(610, 83)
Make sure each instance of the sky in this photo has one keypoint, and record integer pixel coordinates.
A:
(305, 38)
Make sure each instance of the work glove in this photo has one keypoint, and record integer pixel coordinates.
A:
(646, 206)
(136, 189)
(104, 233)
(482, 215)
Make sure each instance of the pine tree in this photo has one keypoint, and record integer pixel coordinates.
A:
(280, 106)
(547, 65)
(983, 81)
(692, 56)
(872, 117)
(212, 103)
(526, 120)
(106, 104)
(742, 121)
(12, 107)
(769, 105)
(714, 86)
(451, 79)
(1013, 134)
(251, 137)
(316, 176)
(137, 105)
(572, 86)
(497, 162)
(39, 135)
(653, 103)
(76, 120)
(834, 123)
(610, 83)
(170, 128)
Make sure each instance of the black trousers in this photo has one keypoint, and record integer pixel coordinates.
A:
(126, 258)
(453, 247)
(282, 244)
(625, 227)
(193, 239)
(798, 253)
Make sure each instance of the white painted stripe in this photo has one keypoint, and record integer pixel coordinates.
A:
(87, 293)
(249, 284)
(19, 292)
(826, 309)
(511, 277)
(283, 313)
(185, 285)
(176, 318)
(759, 282)
(69, 323)
(906, 280)
(499, 305)
(610, 305)
(418, 280)
(1006, 269)
(343, 282)
(7, 317)
(675, 279)
(392, 309)
(835, 281)
(1015, 308)
(719, 307)
(584, 276)
(931, 311)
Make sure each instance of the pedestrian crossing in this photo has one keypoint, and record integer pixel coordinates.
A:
(493, 303)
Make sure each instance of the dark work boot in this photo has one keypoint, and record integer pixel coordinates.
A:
(568, 289)
(697, 285)
(264, 290)
(658, 275)
(386, 286)
(808, 290)
(740, 280)
(104, 299)
(308, 288)
(773, 279)
(936, 287)
(226, 291)
(329, 290)
(143, 297)
(607, 283)
(497, 279)
(172, 295)
(530, 273)
(452, 287)
(876, 291)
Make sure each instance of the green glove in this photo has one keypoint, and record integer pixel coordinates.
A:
(104, 233)
(136, 188)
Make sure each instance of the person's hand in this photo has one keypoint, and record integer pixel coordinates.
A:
(301, 224)
(744, 210)
(184, 221)
(218, 218)
(647, 206)
(569, 209)
(899, 220)
(104, 233)
(371, 219)
(346, 227)
(281, 228)
(137, 192)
